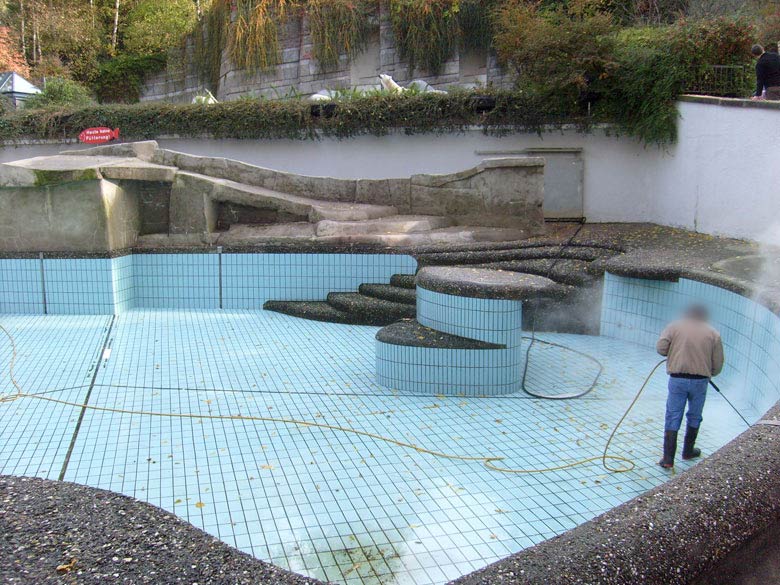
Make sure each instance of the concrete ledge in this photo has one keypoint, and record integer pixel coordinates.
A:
(411, 334)
(485, 283)
(731, 102)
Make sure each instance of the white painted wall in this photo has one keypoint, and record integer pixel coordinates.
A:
(722, 177)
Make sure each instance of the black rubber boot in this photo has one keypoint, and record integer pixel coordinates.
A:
(670, 448)
(689, 451)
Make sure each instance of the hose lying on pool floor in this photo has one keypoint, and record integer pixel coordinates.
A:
(489, 462)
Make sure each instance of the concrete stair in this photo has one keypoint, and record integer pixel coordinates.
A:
(403, 280)
(369, 232)
(316, 210)
(371, 309)
(375, 304)
(397, 224)
(576, 272)
(388, 292)
(564, 270)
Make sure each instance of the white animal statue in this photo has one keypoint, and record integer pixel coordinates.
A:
(205, 98)
(389, 84)
(324, 95)
(423, 86)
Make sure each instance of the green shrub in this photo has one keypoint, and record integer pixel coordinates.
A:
(769, 28)
(564, 53)
(646, 84)
(375, 114)
(715, 41)
(656, 65)
(155, 26)
(60, 93)
(121, 79)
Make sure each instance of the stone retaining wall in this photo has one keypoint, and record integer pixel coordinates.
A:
(300, 73)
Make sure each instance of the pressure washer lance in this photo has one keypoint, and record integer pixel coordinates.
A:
(734, 408)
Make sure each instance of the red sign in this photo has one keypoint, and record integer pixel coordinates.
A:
(98, 135)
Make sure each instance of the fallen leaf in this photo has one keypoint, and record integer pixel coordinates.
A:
(67, 568)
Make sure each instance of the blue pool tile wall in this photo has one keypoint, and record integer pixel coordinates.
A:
(21, 286)
(449, 372)
(251, 279)
(79, 286)
(123, 283)
(176, 281)
(637, 310)
(491, 320)
(458, 372)
(103, 286)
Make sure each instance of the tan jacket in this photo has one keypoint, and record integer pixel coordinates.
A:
(691, 347)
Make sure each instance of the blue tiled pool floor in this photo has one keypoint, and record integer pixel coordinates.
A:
(338, 506)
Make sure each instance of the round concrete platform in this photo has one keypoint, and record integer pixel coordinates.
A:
(485, 283)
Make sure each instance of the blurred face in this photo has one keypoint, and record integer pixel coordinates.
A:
(697, 313)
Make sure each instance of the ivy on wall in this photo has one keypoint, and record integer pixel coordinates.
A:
(339, 27)
(426, 31)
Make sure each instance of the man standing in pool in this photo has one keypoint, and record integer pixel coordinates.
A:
(694, 354)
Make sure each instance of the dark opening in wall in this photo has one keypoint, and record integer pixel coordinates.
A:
(234, 213)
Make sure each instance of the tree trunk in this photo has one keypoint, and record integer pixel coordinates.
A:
(116, 25)
(22, 28)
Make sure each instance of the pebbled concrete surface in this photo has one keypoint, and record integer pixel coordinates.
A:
(96, 536)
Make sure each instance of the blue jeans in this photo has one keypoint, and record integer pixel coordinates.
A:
(682, 390)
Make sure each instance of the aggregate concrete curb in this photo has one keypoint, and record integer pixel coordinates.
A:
(111, 538)
(486, 283)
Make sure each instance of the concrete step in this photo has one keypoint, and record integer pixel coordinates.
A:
(312, 310)
(410, 333)
(452, 235)
(397, 224)
(564, 270)
(247, 234)
(315, 209)
(388, 292)
(587, 254)
(371, 310)
(334, 211)
(403, 280)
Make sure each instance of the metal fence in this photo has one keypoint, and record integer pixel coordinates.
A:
(721, 80)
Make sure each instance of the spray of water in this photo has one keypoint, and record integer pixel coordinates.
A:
(766, 265)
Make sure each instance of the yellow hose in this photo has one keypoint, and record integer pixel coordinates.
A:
(488, 462)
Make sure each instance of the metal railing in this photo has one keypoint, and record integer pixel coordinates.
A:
(721, 80)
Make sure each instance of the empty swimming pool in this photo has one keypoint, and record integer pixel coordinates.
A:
(270, 432)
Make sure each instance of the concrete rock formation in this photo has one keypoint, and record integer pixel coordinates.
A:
(121, 196)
